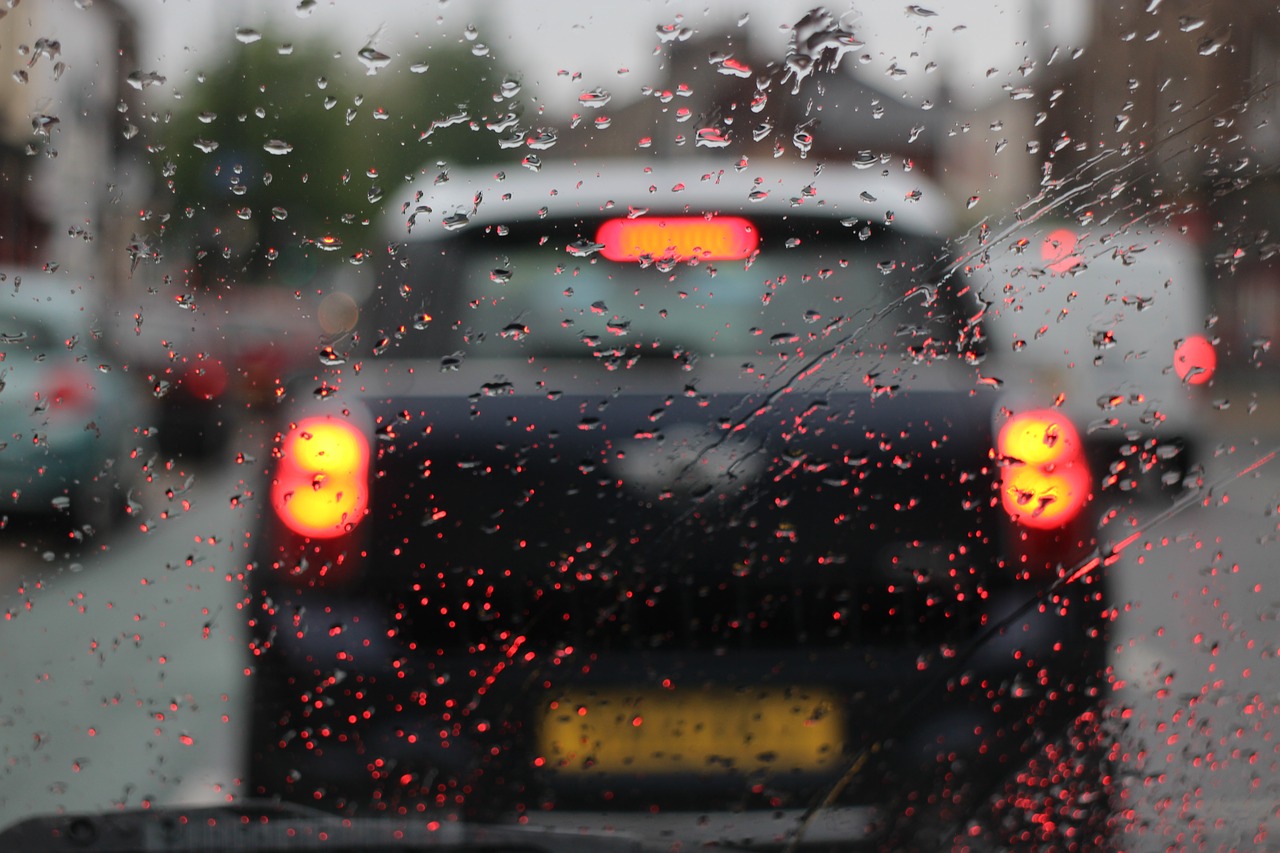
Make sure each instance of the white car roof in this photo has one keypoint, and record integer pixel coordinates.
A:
(588, 188)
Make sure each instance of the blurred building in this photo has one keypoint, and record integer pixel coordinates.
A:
(65, 199)
(1182, 96)
(22, 228)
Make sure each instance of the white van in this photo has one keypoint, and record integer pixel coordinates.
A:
(1110, 324)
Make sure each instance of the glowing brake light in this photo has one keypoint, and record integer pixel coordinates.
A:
(720, 238)
(1194, 360)
(1058, 251)
(1044, 482)
(321, 488)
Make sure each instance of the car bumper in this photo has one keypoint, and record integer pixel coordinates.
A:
(923, 728)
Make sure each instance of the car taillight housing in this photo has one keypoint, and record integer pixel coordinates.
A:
(1044, 478)
(321, 487)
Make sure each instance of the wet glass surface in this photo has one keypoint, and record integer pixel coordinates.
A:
(747, 424)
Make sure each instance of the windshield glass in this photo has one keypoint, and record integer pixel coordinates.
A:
(746, 424)
(757, 305)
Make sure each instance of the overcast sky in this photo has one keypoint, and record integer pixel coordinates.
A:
(599, 40)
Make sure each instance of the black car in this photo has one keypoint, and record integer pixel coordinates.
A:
(673, 498)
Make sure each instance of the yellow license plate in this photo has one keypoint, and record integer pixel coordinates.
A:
(692, 731)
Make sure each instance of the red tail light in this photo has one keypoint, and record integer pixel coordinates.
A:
(719, 238)
(1058, 251)
(1044, 481)
(205, 380)
(1195, 360)
(67, 390)
(321, 487)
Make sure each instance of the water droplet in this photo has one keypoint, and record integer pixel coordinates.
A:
(44, 124)
(802, 139)
(372, 59)
(454, 221)
(246, 35)
(144, 79)
(920, 11)
(583, 248)
(208, 146)
(500, 276)
(595, 98)
(542, 139)
(668, 33)
(1210, 46)
(711, 137)
(277, 147)
(514, 332)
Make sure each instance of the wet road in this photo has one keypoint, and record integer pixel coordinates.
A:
(1197, 658)
(124, 676)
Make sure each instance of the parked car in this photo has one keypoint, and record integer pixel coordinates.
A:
(212, 357)
(67, 427)
(1108, 322)
(671, 491)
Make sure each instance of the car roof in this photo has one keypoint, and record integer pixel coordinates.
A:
(569, 190)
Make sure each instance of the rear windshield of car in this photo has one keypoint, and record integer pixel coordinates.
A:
(549, 290)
